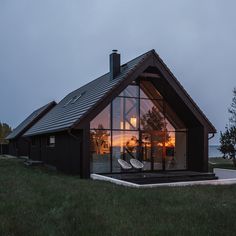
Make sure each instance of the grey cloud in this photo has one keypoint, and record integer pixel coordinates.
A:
(49, 48)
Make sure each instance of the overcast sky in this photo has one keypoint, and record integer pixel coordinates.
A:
(49, 48)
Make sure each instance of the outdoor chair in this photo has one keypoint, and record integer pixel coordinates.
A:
(136, 163)
(124, 165)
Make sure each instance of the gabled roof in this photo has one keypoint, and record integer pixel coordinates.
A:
(76, 106)
(30, 120)
(62, 117)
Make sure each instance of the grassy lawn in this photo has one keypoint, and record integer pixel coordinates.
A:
(34, 201)
(220, 162)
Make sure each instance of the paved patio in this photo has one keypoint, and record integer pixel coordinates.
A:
(226, 177)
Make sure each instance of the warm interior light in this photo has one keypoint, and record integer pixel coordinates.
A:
(171, 142)
(121, 125)
(133, 121)
(127, 125)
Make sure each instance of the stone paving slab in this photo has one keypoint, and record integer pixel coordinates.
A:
(225, 173)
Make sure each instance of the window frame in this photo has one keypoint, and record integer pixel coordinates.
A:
(159, 99)
(49, 139)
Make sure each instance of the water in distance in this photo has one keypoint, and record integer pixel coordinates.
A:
(214, 152)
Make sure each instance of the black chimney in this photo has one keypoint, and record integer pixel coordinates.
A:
(114, 64)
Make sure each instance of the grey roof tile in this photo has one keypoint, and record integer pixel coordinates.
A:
(29, 121)
(62, 117)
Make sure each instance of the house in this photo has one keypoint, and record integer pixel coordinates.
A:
(19, 145)
(137, 110)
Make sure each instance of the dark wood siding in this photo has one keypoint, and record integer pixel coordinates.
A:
(35, 149)
(4, 149)
(196, 152)
(65, 155)
(19, 147)
(12, 147)
(85, 150)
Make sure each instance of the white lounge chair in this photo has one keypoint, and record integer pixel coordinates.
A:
(136, 163)
(124, 164)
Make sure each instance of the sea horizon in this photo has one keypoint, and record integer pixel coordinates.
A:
(213, 151)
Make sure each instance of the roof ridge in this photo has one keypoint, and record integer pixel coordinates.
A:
(92, 81)
(28, 120)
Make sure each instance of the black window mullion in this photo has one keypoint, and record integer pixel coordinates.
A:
(111, 130)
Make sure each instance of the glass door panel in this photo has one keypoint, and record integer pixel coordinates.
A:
(170, 159)
(125, 145)
(152, 150)
(157, 143)
(146, 154)
(100, 142)
(163, 150)
(125, 113)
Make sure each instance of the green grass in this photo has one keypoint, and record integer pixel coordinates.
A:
(35, 201)
(220, 162)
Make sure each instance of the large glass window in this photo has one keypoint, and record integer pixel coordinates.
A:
(124, 146)
(125, 113)
(151, 117)
(102, 120)
(138, 124)
(130, 91)
(100, 143)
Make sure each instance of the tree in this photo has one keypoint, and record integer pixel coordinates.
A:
(228, 137)
(232, 109)
(153, 122)
(5, 129)
(100, 140)
(228, 143)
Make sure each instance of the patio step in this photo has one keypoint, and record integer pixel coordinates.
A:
(169, 178)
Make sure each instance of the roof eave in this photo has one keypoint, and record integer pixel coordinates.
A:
(35, 120)
(205, 120)
(47, 132)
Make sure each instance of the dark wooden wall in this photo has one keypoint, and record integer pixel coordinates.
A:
(85, 150)
(12, 148)
(196, 150)
(19, 147)
(66, 155)
(4, 149)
